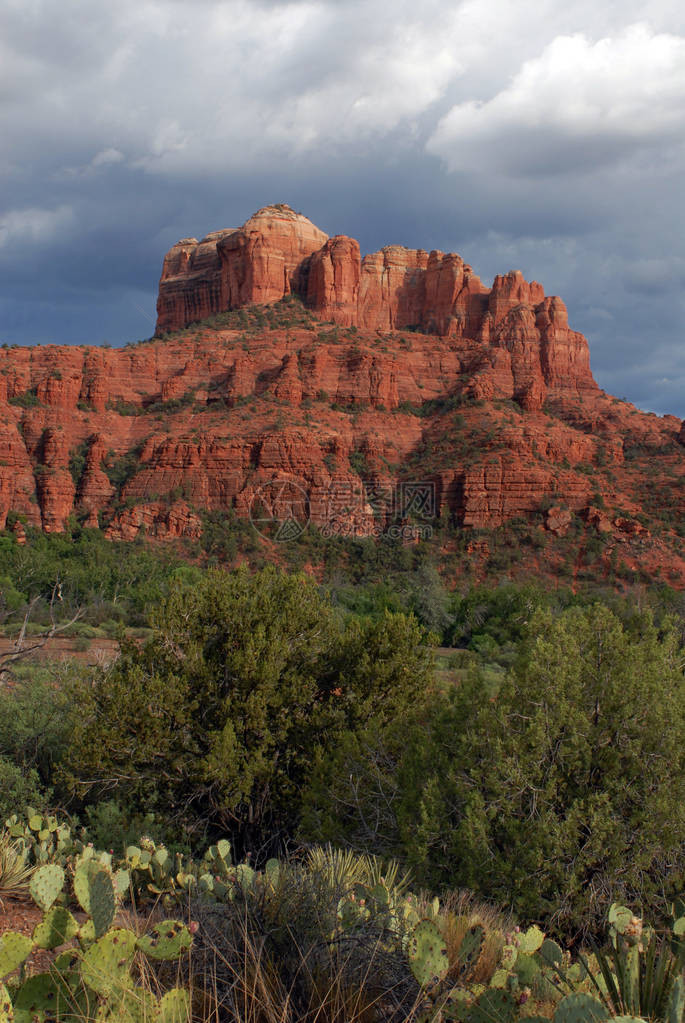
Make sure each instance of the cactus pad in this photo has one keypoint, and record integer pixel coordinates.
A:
(508, 956)
(530, 941)
(106, 964)
(551, 953)
(675, 1010)
(6, 1010)
(14, 950)
(122, 880)
(455, 1005)
(526, 969)
(620, 918)
(102, 902)
(174, 1007)
(46, 884)
(580, 1008)
(470, 948)
(38, 996)
(427, 953)
(57, 927)
(245, 875)
(166, 941)
(94, 889)
(493, 1006)
(128, 1004)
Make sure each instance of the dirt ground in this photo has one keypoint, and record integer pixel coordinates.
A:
(100, 651)
(22, 915)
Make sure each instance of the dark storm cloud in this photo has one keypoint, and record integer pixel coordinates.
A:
(541, 136)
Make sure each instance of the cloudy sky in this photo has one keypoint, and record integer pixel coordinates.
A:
(546, 136)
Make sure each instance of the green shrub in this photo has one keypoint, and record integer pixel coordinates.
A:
(34, 728)
(18, 789)
(553, 793)
(215, 721)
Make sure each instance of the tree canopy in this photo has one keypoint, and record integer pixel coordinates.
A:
(217, 719)
(563, 792)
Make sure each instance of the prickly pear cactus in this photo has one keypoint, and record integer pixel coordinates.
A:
(470, 949)
(6, 1010)
(94, 889)
(14, 950)
(46, 884)
(623, 922)
(427, 953)
(105, 966)
(526, 969)
(174, 1007)
(493, 1006)
(56, 928)
(168, 940)
(580, 1008)
(551, 953)
(39, 998)
(44, 839)
(128, 1004)
(530, 941)
(675, 1011)
(454, 1004)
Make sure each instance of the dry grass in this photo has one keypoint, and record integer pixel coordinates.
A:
(461, 911)
(252, 966)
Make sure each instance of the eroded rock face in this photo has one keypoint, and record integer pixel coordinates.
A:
(489, 398)
(260, 262)
(278, 252)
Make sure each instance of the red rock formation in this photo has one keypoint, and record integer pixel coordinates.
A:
(278, 252)
(203, 420)
(333, 284)
(268, 257)
(54, 482)
(558, 520)
(261, 262)
(157, 521)
(95, 489)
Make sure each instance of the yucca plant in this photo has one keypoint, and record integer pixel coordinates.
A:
(15, 872)
(343, 868)
(642, 978)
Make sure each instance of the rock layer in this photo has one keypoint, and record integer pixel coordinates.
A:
(278, 252)
(492, 404)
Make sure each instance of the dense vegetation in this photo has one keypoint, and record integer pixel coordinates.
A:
(214, 721)
(325, 936)
(554, 791)
(541, 765)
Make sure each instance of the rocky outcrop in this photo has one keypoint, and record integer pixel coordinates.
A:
(488, 400)
(261, 262)
(54, 483)
(157, 521)
(278, 252)
(95, 489)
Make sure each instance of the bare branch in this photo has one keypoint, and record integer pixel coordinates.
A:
(23, 647)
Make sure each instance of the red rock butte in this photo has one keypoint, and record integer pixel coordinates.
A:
(282, 355)
(278, 252)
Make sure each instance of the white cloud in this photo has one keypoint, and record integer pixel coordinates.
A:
(577, 106)
(32, 225)
(106, 157)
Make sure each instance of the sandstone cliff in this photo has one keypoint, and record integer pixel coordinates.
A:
(278, 252)
(492, 402)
